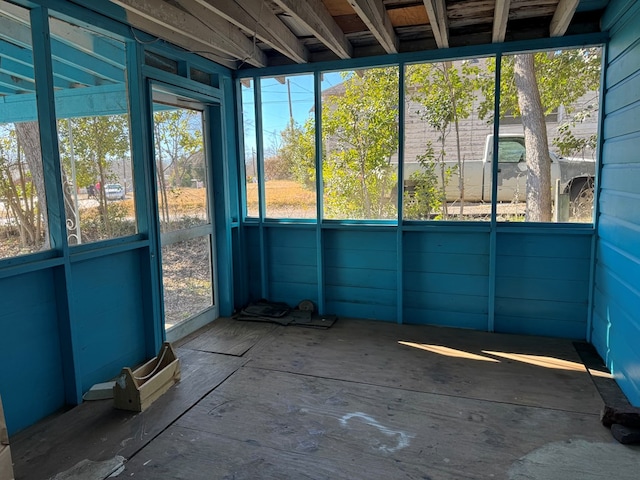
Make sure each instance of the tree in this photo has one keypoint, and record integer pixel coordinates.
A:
(298, 152)
(424, 197)
(535, 139)
(445, 93)
(360, 135)
(94, 142)
(177, 140)
(17, 191)
(561, 77)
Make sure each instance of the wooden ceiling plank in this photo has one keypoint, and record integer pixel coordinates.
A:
(256, 17)
(437, 11)
(374, 14)
(214, 31)
(562, 17)
(171, 35)
(315, 16)
(500, 19)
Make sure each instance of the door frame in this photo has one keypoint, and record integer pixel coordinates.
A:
(205, 103)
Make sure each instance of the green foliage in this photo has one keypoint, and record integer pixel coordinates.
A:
(563, 76)
(360, 134)
(298, 152)
(423, 197)
(178, 139)
(445, 93)
(567, 143)
(94, 228)
(96, 142)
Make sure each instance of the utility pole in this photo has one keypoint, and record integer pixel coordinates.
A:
(290, 106)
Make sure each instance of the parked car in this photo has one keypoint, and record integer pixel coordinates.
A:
(114, 191)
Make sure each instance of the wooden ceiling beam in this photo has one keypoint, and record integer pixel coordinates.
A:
(315, 16)
(562, 17)
(256, 18)
(200, 25)
(374, 15)
(173, 36)
(437, 11)
(500, 19)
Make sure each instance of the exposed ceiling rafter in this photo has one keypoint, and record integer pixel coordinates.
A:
(374, 15)
(437, 11)
(315, 16)
(171, 35)
(201, 25)
(256, 18)
(500, 19)
(562, 17)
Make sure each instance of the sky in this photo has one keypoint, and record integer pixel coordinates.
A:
(275, 106)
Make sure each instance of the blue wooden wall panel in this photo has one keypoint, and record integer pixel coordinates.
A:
(620, 205)
(625, 177)
(616, 297)
(252, 259)
(542, 284)
(292, 264)
(31, 377)
(448, 302)
(618, 101)
(385, 313)
(445, 318)
(621, 149)
(292, 293)
(539, 326)
(370, 278)
(446, 278)
(109, 334)
(472, 243)
(360, 273)
(435, 282)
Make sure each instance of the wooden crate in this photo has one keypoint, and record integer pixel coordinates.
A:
(136, 390)
(6, 466)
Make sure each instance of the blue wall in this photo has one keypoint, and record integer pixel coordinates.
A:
(534, 280)
(73, 316)
(31, 376)
(616, 307)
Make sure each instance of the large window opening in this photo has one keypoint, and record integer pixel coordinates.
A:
(23, 202)
(546, 159)
(93, 131)
(446, 176)
(360, 144)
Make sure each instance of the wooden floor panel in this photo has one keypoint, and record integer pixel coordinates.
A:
(96, 431)
(533, 371)
(361, 400)
(332, 421)
(229, 337)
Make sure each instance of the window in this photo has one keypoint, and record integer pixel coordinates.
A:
(550, 177)
(250, 148)
(93, 130)
(23, 202)
(360, 144)
(445, 177)
(288, 139)
(448, 142)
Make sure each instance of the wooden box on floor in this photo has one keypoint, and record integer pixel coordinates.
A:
(6, 466)
(136, 390)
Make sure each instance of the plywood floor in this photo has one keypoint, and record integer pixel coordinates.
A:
(361, 400)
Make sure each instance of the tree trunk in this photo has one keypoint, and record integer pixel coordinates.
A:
(535, 139)
(28, 135)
